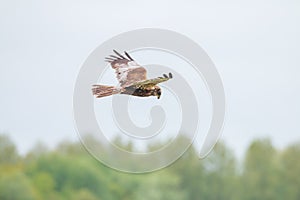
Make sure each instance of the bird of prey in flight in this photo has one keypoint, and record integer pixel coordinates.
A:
(132, 79)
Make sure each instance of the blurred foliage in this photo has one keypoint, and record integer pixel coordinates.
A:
(69, 172)
(8, 151)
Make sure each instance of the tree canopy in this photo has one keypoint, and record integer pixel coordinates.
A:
(69, 172)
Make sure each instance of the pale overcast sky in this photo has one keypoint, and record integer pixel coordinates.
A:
(255, 45)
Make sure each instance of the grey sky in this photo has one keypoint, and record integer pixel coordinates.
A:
(255, 45)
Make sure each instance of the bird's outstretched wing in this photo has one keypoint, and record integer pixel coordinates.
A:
(127, 70)
(152, 82)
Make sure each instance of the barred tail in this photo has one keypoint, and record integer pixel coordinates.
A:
(104, 90)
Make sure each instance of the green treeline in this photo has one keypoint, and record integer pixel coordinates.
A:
(69, 172)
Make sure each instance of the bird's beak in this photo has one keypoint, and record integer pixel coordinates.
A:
(158, 96)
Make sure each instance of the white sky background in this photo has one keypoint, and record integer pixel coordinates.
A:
(255, 45)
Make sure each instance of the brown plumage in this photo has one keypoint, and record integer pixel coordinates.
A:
(132, 79)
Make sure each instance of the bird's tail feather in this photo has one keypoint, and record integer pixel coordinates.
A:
(104, 90)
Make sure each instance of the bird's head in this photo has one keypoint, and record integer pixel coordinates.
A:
(157, 92)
